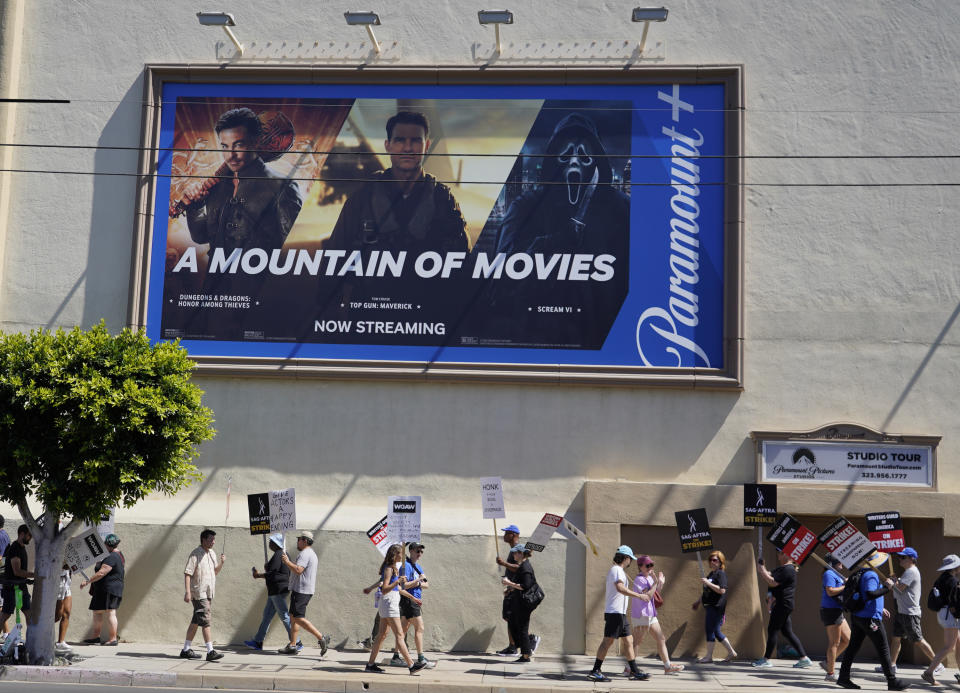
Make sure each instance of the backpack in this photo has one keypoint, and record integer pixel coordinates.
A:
(851, 599)
(936, 599)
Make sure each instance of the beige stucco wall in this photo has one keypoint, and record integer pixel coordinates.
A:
(850, 304)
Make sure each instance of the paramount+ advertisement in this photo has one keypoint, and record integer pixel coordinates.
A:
(477, 224)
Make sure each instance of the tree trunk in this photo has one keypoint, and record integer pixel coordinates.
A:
(41, 635)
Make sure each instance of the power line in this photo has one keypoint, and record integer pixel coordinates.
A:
(933, 184)
(340, 153)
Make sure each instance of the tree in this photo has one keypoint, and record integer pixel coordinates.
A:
(90, 421)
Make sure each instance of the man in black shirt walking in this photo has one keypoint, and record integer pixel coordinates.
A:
(15, 568)
(277, 577)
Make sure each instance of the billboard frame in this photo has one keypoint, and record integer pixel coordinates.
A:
(729, 377)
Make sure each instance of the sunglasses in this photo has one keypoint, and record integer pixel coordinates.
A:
(714, 559)
(648, 565)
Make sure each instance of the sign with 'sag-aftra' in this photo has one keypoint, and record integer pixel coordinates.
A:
(694, 530)
(272, 511)
(792, 538)
(885, 530)
(759, 505)
(258, 508)
(403, 519)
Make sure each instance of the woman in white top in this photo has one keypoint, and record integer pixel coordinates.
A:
(392, 581)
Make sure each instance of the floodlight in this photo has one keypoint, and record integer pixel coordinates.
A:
(224, 19)
(647, 15)
(496, 17)
(368, 20)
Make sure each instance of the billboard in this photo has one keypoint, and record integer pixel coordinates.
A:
(543, 225)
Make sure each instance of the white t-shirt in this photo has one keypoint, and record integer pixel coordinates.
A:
(616, 602)
(908, 601)
(305, 582)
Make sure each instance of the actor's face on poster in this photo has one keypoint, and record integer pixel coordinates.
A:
(237, 147)
(407, 146)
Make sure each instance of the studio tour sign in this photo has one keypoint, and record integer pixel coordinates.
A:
(845, 454)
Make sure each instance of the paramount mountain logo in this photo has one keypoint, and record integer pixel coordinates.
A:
(804, 456)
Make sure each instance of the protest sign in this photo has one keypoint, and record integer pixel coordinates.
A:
(694, 530)
(378, 535)
(885, 530)
(847, 543)
(541, 535)
(283, 510)
(580, 536)
(759, 504)
(84, 550)
(791, 537)
(492, 498)
(258, 507)
(403, 519)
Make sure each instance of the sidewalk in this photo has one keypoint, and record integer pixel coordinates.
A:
(144, 664)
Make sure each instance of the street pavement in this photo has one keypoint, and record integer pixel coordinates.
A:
(341, 671)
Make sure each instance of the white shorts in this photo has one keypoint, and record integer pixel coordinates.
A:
(946, 619)
(63, 589)
(389, 605)
(643, 620)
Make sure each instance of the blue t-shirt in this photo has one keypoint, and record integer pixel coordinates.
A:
(412, 575)
(831, 578)
(874, 607)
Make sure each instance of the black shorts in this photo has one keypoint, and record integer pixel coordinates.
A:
(408, 609)
(831, 616)
(10, 598)
(201, 612)
(298, 604)
(907, 627)
(615, 626)
(101, 601)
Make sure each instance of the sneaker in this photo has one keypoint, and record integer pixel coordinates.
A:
(848, 684)
(213, 656)
(830, 677)
(897, 685)
(803, 663)
(507, 651)
(429, 664)
(762, 663)
(188, 654)
(417, 666)
(929, 678)
(299, 646)
(63, 646)
(639, 676)
(705, 660)
(397, 660)
(373, 669)
(253, 644)
(92, 641)
(521, 660)
(598, 676)
(879, 670)
(288, 649)
(939, 670)
(366, 644)
(112, 643)
(956, 676)
(673, 669)
(324, 644)
(534, 643)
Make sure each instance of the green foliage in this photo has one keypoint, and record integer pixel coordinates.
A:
(90, 421)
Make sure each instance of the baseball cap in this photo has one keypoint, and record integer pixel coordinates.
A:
(111, 540)
(511, 528)
(626, 551)
(909, 552)
(306, 534)
(277, 538)
(416, 546)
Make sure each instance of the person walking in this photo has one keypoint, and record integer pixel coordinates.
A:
(302, 585)
(783, 580)
(411, 601)
(520, 611)
(831, 615)
(906, 622)
(947, 616)
(199, 588)
(643, 614)
(391, 576)
(511, 537)
(16, 567)
(867, 622)
(277, 578)
(63, 609)
(615, 616)
(106, 592)
(714, 600)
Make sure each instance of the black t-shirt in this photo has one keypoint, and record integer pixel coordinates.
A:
(112, 583)
(786, 577)
(711, 598)
(15, 550)
(277, 574)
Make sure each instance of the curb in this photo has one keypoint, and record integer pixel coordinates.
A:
(96, 676)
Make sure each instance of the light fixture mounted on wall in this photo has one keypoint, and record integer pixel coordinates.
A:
(647, 15)
(496, 17)
(367, 20)
(224, 19)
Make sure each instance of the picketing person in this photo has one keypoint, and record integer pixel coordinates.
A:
(391, 579)
(302, 584)
(199, 589)
(714, 600)
(511, 537)
(106, 591)
(945, 591)
(906, 621)
(831, 614)
(524, 580)
(783, 580)
(643, 614)
(276, 575)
